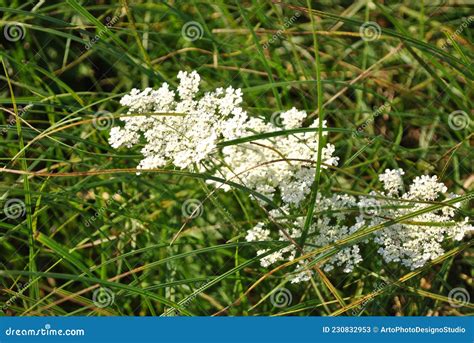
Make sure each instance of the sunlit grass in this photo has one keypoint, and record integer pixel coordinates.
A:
(58, 162)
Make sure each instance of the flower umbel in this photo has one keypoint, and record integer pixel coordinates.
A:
(184, 128)
(411, 244)
(180, 131)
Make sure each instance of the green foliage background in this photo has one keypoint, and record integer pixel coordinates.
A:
(91, 222)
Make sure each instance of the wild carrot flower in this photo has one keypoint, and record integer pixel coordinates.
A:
(412, 243)
(184, 128)
(179, 129)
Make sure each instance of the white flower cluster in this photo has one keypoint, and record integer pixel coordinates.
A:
(412, 243)
(419, 240)
(185, 132)
(286, 162)
(392, 180)
(181, 132)
(328, 227)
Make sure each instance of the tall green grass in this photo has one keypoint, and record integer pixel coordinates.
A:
(56, 76)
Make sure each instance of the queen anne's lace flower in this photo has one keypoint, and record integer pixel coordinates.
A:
(330, 226)
(287, 162)
(185, 130)
(293, 118)
(420, 239)
(426, 188)
(412, 243)
(392, 180)
(257, 233)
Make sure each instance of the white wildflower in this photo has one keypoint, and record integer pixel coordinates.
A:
(270, 259)
(417, 241)
(412, 243)
(257, 233)
(293, 118)
(183, 129)
(303, 275)
(186, 132)
(426, 188)
(286, 162)
(392, 180)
